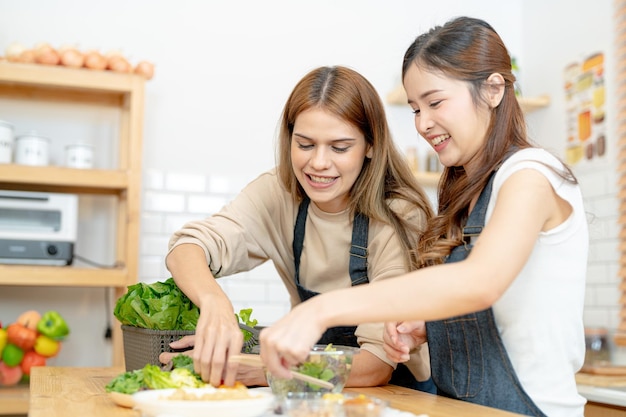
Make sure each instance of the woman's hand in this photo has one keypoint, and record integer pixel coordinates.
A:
(289, 341)
(217, 337)
(401, 337)
(185, 342)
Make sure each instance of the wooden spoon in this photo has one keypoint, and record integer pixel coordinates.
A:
(255, 360)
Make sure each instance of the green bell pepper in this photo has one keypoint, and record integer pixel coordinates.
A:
(53, 325)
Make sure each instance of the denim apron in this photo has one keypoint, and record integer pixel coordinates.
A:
(468, 359)
(344, 335)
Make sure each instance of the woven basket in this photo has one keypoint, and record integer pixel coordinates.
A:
(143, 346)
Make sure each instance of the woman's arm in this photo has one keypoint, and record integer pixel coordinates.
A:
(217, 332)
(526, 205)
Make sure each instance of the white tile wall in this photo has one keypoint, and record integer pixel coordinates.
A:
(172, 199)
(599, 189)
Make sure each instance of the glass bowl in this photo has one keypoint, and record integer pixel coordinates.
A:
(316, 404)
(326, 362)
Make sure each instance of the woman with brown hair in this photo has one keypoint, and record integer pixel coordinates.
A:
(341, 209)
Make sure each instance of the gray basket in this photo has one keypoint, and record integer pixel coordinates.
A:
(143, 346)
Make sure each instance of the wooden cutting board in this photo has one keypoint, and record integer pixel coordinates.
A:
(605, 376)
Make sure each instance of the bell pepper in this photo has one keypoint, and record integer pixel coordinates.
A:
(53, 325)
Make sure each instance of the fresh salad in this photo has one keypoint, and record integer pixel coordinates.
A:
(327, 363)
(152, 377)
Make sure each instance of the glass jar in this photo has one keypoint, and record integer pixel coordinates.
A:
(597, 351)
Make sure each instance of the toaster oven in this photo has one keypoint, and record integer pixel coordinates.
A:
(37, 228)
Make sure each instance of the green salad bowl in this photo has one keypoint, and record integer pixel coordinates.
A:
(330, 363)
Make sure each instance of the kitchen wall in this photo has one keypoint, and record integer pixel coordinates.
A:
(223, 73)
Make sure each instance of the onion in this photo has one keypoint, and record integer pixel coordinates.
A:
(118, 63)
(145, 69)
(94, 60)
(71, 57)
(13, 51)
(27, 57)
(47, 55)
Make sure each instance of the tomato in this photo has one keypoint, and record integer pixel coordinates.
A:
(21, 336)
(29, 319)
(9, 375)
(46, 346)
(32, 358)
(12, 355)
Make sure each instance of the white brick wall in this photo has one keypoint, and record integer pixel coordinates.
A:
(599, 189)
(172, 199)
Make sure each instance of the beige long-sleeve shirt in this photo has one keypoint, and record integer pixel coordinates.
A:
(257, 226)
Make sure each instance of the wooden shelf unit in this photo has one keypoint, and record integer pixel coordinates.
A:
(62, 85)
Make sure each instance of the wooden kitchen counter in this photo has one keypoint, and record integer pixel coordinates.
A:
(73, 391)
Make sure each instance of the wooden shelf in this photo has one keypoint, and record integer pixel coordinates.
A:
(45, 276)
(38, 78)
(62, 180)
(14, 400)
(531, 104)
(124, 93)
(428, 179)
(528, 104)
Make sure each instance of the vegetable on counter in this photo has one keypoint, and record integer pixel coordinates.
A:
(153, 377)
(157, 306)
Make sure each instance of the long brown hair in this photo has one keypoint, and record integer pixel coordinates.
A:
(470, 50)
(385, 177)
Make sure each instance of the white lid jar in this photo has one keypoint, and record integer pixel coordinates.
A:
(6, 142)
(32, 149)
(79, 155)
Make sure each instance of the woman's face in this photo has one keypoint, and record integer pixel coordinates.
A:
(446, 116)
(327, 154)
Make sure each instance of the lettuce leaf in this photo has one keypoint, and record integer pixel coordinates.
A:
(157, 306)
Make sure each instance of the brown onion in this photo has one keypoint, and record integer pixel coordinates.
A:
(72, 57)
(118, 63)
(145, 69)
(94, 60)
(47, 55)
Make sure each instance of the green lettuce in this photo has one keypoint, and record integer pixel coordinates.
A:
(153, 377)
(157, 306)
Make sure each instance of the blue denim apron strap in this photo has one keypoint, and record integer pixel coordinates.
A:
(340, 335)
(467, 356)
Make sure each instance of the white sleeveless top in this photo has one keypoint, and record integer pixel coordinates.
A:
(540, 316)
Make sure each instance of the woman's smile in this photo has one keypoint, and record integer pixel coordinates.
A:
(327, 155)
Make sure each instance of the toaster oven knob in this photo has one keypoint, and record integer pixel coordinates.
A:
(52, 250)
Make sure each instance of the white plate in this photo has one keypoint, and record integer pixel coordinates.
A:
(153, 403)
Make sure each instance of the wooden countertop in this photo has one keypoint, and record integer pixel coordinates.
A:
(74, 391)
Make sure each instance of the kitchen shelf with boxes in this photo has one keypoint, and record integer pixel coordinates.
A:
(430, 177)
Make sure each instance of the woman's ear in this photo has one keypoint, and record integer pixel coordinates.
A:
(370, 152)
(495, 89)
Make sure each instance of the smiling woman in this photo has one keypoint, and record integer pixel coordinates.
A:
(342, 208)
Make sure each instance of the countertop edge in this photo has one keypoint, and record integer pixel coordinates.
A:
(605, 395)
